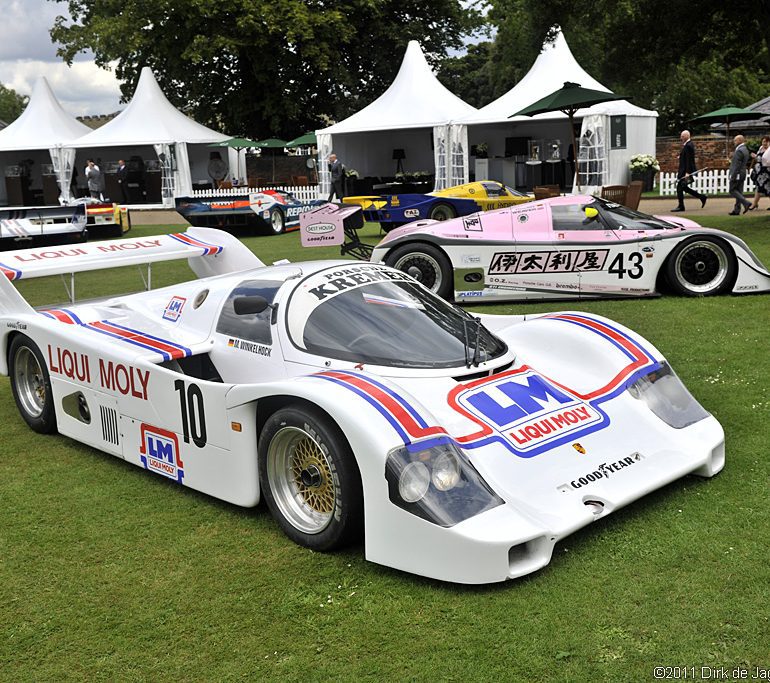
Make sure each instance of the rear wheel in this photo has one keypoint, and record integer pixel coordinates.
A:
(442, 212)
(426, 264)
(277, 221)
(310, 479)
(701, 266)
(31, 385)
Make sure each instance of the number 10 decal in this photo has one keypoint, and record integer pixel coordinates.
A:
(193, 414)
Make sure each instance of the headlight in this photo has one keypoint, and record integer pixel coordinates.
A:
(438, 484)
(668, 398)
(414, 482)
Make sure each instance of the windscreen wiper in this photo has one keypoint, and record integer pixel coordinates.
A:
(472, 359)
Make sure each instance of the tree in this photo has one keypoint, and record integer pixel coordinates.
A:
(262, 67)
(11, 104)
(675, 57)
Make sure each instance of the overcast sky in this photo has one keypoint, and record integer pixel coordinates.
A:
(27, 53)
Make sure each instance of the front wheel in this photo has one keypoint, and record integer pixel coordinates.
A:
(277, 221)
(701, 266)
(426, 264)
(310, 479)
(31, 385)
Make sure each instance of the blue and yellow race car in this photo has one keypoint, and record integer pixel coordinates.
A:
(391, 211)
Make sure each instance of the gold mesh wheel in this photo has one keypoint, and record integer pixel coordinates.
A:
(301, 477)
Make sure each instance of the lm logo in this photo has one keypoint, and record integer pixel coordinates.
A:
(160, 452)
(530, 413)
(174, 308)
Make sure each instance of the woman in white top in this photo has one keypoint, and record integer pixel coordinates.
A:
(761, 172)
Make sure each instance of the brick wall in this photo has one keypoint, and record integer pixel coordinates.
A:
(709, 152)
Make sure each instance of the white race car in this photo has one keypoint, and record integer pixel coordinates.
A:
(356, 401)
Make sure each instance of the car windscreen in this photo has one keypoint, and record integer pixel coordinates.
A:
(619, 217)
(394, 323)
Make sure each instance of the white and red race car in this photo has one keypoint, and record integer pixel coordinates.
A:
(355, 401)
(62, 224)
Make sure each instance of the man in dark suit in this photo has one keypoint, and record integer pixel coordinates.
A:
(337, 171)
(738, 165)
(122, 174)
(686, 169)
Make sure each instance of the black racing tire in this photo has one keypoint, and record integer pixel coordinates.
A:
(31, 385)
(701, 266)
(309, 478)
(277, 221)
(425, 263)
(442, 212)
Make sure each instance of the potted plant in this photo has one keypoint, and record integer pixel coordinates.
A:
(644, 167)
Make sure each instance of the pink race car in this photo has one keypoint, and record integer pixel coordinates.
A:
(568, 247)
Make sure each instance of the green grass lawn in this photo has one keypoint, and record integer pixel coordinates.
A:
(108, 573)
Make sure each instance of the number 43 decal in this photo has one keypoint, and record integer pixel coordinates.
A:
(630, 265)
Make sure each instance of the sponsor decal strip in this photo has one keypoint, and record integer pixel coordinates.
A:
(184, 238)
(169, 350)
(10, 273)
(63, 315)
(407, 422)
(640, 357)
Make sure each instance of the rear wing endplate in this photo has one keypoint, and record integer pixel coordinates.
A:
(335, 224)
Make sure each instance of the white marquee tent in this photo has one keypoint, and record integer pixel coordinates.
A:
(38, 136)
(410, 115)
(150, 120)
(616, 130)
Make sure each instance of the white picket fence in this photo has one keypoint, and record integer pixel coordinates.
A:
(304, 193)
(706, 182)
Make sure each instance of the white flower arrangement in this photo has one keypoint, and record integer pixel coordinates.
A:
(640, 163)
(351, 173)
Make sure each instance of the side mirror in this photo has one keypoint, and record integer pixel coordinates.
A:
(249, 305)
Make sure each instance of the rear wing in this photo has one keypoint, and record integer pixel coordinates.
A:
(28, 222)
(332, 224)
(208, 251)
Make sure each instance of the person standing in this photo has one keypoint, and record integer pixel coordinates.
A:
(122, 174)
(337, 171)
(761, 173)
(740, 161)
(686, 169)
(94, 177)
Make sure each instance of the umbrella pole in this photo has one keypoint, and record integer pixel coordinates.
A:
(727, 139)
(575, 150)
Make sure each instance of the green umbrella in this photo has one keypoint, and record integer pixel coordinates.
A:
(726, 115)
(303, 140)
(271, 143)
(568, 99)
(236, 143)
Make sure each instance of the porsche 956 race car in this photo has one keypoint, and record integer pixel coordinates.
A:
(395, 210)
(356, 402)
(271, 211)
(578, 247)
